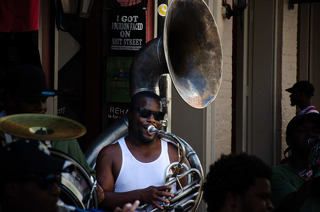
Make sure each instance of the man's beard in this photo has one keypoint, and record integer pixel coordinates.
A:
(146, 140)
(293, 103)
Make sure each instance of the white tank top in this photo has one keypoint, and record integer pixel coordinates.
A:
(138, 175)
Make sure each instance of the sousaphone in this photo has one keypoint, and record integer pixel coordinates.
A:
(190, 51)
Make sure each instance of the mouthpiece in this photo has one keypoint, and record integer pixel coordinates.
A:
(152, 130)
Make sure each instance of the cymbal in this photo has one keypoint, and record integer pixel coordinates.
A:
(41, 127)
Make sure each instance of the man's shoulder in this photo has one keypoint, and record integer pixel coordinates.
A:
(171, 144)
(309, 109)
(283, 168)
(109, 154)
(110, 148)
(285, 171)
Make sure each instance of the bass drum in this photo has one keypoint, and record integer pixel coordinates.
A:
(77, 187)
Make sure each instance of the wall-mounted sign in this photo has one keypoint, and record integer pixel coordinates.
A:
(126, 34)
(127, 30)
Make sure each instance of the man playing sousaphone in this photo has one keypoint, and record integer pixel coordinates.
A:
(135, 166)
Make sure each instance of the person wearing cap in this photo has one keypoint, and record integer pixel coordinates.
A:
(31, 177)
(26, 91)
(295, 184)
(301, 93)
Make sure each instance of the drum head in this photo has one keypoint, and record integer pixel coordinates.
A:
(76, 187)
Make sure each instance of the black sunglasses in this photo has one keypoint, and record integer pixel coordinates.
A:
(145, 113)
(48, 181)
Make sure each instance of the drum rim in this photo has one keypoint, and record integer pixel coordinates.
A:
(59, 153)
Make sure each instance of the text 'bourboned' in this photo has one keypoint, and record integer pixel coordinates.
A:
(127, 26)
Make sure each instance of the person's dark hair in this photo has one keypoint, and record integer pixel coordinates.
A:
(233, 173)
(138, 96)
(299, 119)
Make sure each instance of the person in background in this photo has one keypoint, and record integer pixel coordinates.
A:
(31, 177)
(238, 183)
(135, 166)
(296, 184)
(301, 93)
(25, 91)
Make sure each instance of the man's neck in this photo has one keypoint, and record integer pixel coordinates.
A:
(304, 104)
(144, 152)
(139, 142)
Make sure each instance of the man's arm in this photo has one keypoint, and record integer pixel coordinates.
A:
(108, 167)
(285, 195)
(294, 201)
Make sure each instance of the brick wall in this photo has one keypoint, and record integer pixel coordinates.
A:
(289, 65)
(223, 113)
